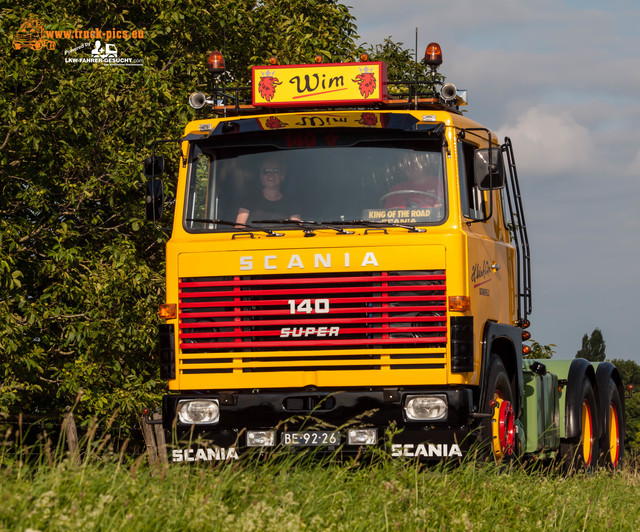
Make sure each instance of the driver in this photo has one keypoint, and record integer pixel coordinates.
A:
(422, 186)
(270, 201)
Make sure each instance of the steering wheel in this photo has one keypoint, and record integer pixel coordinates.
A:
(435, 197)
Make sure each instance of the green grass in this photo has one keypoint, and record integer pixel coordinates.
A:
(110, 491)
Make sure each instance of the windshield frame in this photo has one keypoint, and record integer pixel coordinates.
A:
(265, 141)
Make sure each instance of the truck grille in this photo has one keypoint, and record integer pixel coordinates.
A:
(307, 323)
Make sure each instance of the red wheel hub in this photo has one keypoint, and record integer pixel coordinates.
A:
(506, 427)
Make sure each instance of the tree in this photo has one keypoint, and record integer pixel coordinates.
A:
(401, 64)
(80, 281)
(593, 348)
(540, 351)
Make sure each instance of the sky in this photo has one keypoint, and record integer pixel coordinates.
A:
(561, 78)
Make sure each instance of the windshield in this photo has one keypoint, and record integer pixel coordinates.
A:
(327, 176)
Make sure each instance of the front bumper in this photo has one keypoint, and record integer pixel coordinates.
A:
(327, 411)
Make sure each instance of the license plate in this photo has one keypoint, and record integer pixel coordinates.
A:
(310, 438)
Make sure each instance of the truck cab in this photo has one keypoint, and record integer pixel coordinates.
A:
(347, 268)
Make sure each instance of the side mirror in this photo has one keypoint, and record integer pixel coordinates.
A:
(154, 200)
(488, 175)
(153, 167)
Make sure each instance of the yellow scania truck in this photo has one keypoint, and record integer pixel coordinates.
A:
(349, 267)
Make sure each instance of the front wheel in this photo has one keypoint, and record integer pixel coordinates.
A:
(499, 431)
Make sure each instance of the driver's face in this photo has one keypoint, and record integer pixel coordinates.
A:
(271, 174)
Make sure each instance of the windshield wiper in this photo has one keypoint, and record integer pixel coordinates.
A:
(244, 227)
(367, 223)
(307, 226)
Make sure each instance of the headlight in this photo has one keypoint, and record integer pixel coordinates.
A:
(198, 411)
(426, 407)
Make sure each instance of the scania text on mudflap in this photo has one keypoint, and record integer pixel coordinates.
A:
(349, 267)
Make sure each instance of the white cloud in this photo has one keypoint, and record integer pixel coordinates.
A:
(551, 142)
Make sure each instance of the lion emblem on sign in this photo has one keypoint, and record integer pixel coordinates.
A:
(273, 122)
(366, 83)
(368, 119)
(267, 86)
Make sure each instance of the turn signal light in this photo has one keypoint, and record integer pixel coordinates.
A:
(168, 311)
(215, 63)
(433, 55)
(459, 303)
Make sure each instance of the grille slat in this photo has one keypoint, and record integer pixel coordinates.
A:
(334, 321)
(309, 291)
(256, 318)
(283, 302)
(305, 280)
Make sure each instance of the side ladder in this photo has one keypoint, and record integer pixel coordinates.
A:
(519, 234)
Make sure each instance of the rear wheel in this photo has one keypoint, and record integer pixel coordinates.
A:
(612, 440)
(499, 431)
(580, 452)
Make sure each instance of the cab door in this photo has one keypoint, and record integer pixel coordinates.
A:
(490, 255)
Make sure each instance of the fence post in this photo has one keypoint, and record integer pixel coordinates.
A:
(71, 433)
(160, 440)
(150, 441)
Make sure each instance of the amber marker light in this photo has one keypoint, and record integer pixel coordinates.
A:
(318, 59)
(433, 55)
(459, 303)
(526, 335)
(168, 311)
(215, 62)
(364, 57)
(526, 350)
(273, 61)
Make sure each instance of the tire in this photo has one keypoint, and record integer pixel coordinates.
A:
(498, 432)
(612, 419)
(581, 453)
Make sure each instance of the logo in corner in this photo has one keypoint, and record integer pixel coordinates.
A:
(32, 35)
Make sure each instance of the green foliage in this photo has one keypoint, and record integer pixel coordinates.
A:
(295, 31)
(593, 347)
(80, 279)
(295, 493)
(540, 351)
(401, 64)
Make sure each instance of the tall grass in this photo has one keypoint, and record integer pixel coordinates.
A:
(42, 488)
